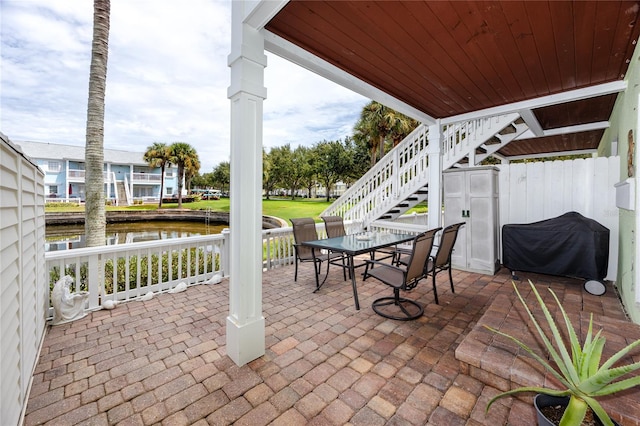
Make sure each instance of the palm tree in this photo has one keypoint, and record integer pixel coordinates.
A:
(378, 123)
(373, 122)
(184, 156)
(158, 155)
(95, 216)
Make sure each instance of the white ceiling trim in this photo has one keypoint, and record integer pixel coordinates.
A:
(289, 51)
(598, 125)
(259, 13)
(558, 98)
(551, 154)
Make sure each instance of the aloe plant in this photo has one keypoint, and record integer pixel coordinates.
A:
(577, 368)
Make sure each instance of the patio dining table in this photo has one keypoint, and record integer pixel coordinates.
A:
(354, 245)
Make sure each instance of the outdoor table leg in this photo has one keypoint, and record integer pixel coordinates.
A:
(353, 282)
(318, 269)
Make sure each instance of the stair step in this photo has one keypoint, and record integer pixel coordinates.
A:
(493, 141)
(508, 130)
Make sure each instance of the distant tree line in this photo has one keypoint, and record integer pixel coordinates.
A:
(325, 163)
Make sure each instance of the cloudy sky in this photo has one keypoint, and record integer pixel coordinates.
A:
(167, 79)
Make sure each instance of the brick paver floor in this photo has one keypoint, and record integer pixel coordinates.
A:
(163, 361)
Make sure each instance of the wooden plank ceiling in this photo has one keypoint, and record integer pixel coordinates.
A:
(452, 57)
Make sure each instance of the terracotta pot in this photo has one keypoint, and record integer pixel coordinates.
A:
(542, 400)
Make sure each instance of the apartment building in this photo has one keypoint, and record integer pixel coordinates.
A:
(127, 176)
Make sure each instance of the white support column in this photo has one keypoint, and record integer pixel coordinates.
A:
(245, 323)
(434, 198)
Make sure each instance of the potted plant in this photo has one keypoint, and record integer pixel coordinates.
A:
(577, 368)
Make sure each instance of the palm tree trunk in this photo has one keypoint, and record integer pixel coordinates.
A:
(180, 184)
(95, 217)
(161, 185)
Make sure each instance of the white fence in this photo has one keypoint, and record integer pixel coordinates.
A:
(23, 292)
(530, 192)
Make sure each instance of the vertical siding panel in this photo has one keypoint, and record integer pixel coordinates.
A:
(553, 181)
(582, 182)
(23, 290)
(535, 191)
(518, 194)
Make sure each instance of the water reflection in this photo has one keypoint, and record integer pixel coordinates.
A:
(65, 237)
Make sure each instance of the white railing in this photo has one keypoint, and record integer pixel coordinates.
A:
(461, 138)
(146, 177)
(404, 170)
(126, 272)
(399, 174)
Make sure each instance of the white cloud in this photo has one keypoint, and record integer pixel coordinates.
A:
(167, 79)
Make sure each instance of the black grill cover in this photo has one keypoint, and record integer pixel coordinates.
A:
(569, 245)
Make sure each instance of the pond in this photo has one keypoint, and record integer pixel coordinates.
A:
(65, 237)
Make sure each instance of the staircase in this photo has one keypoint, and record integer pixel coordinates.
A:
(401, 179)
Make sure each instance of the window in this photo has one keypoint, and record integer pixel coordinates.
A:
(53, 189)
(169, 173)
(168, 190)
(53, 166)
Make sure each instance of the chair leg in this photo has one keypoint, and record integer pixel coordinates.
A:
(451, 280)
(399, 302)
(295, 277)
(435, 291)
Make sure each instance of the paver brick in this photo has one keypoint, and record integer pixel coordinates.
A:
(381, 406)
(154, 414)
(310, 405)
(92, 394)
(458, 401)
(206, 405)
(290, 417)
(284, 399)
(261, 415)
(230, 412)
(337, 412)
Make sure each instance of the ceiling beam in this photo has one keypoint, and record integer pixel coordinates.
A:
(532, 122)
(287, 50)
(259, 13)
(598, 125)
(558, 98)
(552, 154)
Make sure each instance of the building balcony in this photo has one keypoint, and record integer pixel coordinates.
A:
(149, 178)
(79, 175)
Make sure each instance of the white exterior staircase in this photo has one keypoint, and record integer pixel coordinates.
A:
(401, 179)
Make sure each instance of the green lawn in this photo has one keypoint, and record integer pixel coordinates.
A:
(282, 208)
(278, 207)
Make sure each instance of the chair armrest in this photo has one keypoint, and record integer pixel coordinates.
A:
(388, 265)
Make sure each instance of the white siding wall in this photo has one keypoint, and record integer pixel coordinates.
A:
(23, 285)
(531, 192)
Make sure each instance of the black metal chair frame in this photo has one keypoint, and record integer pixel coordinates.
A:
(442, 259)
(304, 229)
(400, 278)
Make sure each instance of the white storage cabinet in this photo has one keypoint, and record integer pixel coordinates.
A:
(471, 196)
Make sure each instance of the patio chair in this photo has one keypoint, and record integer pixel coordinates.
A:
(402, 254)
(304, 229)
(442, 259)
(402, 278)
(334, 225)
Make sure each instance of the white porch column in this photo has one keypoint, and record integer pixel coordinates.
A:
(434, 198)
(245, 323)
